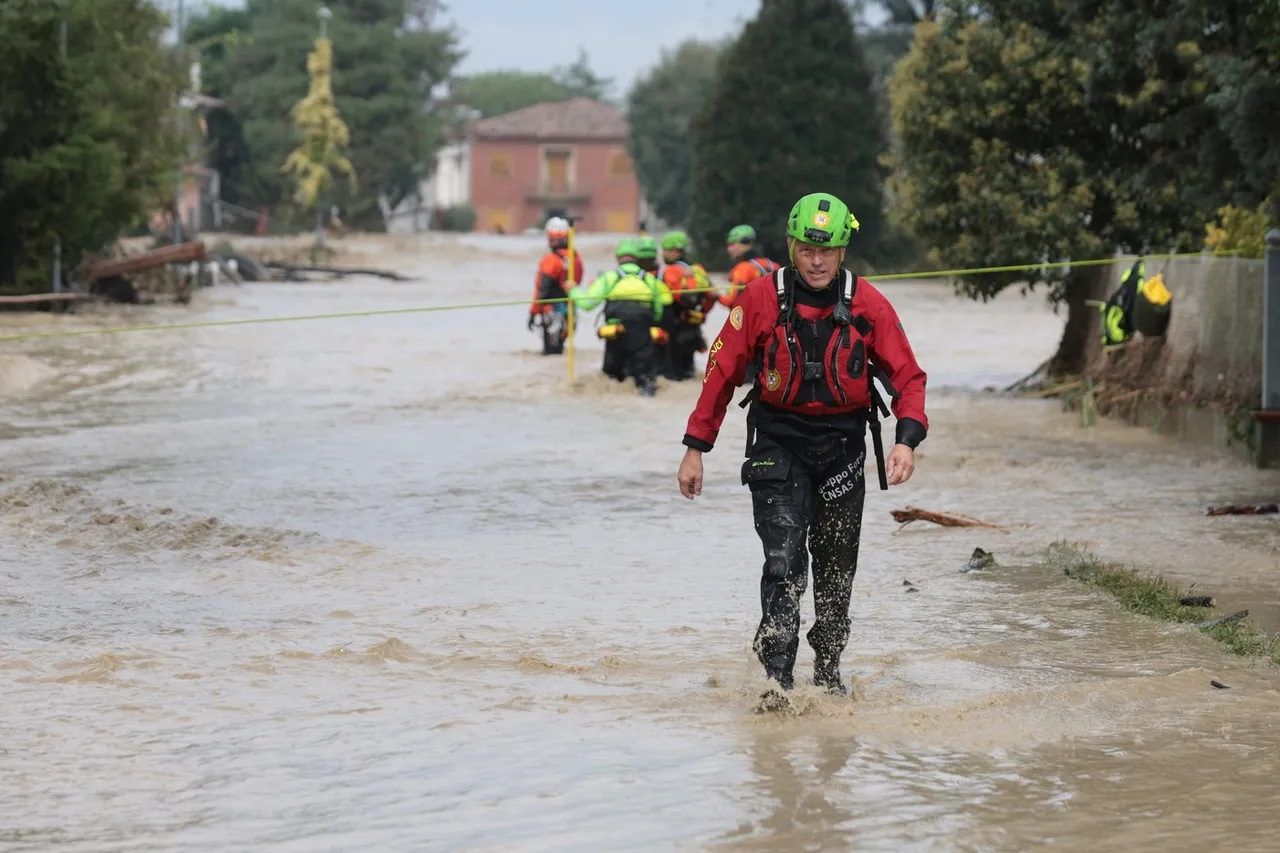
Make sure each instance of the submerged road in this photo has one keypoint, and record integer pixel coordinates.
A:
(394, 583)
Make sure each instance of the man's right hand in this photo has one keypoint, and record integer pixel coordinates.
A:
(690, 473)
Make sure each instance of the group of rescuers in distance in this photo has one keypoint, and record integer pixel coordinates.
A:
(810, 338)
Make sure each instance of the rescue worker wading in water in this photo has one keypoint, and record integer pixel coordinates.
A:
(693, 298)
(647, 254)
(634, 300)
(553, 273)
(749, 263)
(821, 333)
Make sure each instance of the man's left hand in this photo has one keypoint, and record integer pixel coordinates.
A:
(900, 465)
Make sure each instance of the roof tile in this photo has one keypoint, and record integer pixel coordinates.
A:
(580, 118)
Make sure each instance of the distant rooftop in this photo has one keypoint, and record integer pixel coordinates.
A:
(580, 118)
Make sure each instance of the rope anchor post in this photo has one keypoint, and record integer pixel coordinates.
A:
(570, 282)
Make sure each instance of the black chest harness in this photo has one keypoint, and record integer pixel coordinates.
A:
(808, 341)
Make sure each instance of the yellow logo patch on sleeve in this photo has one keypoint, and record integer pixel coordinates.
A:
(735, 317)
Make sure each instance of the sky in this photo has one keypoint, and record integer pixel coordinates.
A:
(537, 35)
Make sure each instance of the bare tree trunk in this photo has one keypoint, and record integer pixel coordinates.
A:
(1078, 335)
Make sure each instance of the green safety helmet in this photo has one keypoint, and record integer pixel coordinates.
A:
(741, 234)
(677, 240)
(646, 248)
(627, 247)
(821, 219)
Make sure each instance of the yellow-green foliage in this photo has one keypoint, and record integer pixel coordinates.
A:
(1238, 232)
(324, 134)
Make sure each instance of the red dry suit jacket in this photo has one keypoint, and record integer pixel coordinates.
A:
(752, 330)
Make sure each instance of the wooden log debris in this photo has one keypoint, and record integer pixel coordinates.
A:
(1230, 617)
(340, 272)
(942, 519)
(29, 298)
(182, 253)
(1243, 509)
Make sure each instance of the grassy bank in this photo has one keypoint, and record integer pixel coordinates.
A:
(1159, 598)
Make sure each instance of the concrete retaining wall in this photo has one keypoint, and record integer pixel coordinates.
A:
(1199, 381)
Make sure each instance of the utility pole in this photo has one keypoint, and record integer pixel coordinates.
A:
(1267, 448)
(57, 238)
(177, 179)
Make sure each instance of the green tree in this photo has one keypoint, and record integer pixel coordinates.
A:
(88, 143)
(493, 93)
(1022, 135)
(213, 37)
(890, 39)
(1240, 41)
(660, 110)
(383, 76)
(1225, 57)
(579, 78)
(496, 92)
(792, 112)
(909, 12)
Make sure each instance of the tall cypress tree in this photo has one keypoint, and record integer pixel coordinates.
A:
(793, 112)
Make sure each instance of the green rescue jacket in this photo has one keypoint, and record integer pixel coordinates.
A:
(627, 283)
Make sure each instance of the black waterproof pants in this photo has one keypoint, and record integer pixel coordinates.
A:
(685, 341)
(806, 503)
(634, 354)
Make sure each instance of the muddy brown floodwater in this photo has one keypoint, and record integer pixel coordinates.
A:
(390, 583)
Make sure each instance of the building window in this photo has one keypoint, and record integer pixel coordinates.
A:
(557, 171)
(500, 165)
(619, 165)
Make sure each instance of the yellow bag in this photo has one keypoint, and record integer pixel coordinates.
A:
(1155, 291)
(1152, 308)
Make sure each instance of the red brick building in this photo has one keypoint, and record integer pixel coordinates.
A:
(549, 160)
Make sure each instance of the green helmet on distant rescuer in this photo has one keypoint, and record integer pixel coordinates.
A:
(676, 241)
(741, 234)
(821, 219)
(646, 248)
(626, 248)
